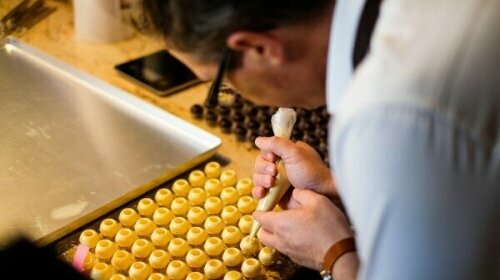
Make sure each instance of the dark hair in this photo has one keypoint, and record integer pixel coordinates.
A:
(201, 27)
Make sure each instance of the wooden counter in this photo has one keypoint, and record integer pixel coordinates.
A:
(55, 35)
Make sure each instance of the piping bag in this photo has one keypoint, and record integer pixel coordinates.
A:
(282, 122)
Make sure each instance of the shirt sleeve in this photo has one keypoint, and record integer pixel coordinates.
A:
(420, 193)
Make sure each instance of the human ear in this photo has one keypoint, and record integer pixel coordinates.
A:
(261, 46)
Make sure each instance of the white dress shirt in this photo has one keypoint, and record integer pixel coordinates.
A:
(342, 38)
(415, 139)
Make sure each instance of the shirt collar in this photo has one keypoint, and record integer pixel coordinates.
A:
(342, 38)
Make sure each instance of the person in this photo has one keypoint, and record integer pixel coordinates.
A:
(414, 137)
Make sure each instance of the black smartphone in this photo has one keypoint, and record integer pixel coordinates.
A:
(160, 72)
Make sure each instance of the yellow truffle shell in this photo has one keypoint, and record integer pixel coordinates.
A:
(212, 169)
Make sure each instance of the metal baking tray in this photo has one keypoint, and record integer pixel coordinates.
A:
(73, 147)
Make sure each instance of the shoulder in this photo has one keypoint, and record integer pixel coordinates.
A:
(432, 58)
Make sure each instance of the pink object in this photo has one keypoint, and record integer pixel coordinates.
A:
(79, 258)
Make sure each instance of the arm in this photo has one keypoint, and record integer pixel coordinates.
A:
(410, 180)
(346, 267)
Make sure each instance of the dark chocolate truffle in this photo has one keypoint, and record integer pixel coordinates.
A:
(252, 125)
(197, 111)
(240, 132)
(211, 118)
(225, 125)
(238, 117)
(224, 111)
(266, 131)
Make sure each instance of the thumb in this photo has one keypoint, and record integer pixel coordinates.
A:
(268, 220)
(277, 145)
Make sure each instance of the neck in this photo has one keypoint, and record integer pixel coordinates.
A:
(308, 47)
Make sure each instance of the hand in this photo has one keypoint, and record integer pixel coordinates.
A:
(303, 165)
(306, 230)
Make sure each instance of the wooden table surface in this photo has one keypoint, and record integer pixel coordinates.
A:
(55, 35)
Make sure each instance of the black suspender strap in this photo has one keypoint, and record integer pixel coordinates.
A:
(364, 33)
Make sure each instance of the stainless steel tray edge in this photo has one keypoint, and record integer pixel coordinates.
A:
(118, 95)
(54, 236)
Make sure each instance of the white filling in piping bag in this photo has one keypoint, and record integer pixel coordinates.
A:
(282, 123)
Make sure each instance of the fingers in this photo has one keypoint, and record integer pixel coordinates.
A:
(269, 239)
(264, 176)
(265, 181)
(265, 166)
(278, 146)
(269, 156)
(268, 220)
(287, 202)
(258, 192)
